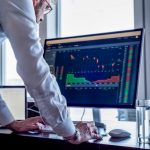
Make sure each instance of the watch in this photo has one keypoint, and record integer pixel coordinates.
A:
(74, 138)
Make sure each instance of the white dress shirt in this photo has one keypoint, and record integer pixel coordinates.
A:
(6, 116)
(17, 22)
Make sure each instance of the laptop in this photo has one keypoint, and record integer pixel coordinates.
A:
(15, 98)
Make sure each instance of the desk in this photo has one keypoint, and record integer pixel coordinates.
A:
(44, 140)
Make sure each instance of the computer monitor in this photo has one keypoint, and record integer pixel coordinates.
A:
(15, 98)
(98, 70)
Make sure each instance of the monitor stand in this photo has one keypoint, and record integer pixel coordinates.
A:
(97, 119)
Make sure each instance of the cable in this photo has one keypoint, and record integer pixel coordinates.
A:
(32, 110)
(83, 114)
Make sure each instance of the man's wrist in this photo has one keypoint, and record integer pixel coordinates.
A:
(74, 138)
(11, 125)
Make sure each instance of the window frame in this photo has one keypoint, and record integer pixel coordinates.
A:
(146, 25)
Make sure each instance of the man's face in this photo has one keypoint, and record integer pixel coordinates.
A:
(41, 8)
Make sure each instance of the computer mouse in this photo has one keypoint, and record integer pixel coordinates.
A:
(119, 133)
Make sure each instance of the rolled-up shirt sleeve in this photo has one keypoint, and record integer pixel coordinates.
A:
(20, 27)
(5, 115)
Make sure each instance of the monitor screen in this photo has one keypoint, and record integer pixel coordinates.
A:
(99, 70)
(15, 98)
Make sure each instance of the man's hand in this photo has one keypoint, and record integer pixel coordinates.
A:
(25, 125)
(86, 131)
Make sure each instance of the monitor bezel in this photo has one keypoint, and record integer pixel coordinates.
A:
(18, 87)
(133, 106)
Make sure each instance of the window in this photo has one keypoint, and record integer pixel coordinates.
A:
(11, 76)
(78, 17)
(96, 16)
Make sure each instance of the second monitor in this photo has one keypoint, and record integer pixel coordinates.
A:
(98, 70)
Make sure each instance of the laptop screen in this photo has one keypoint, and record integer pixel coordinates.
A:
(15, 98)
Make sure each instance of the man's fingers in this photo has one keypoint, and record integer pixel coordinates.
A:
(94, 129)
(38, 119)
(96, 136)
(35, 119)
(31, 127)
(90, 124)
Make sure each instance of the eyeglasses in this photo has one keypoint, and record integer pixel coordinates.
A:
(45, 5)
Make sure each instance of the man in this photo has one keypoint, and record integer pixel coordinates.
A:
(18, 22)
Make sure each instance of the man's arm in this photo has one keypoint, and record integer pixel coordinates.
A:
(19, 24)
(25, 125)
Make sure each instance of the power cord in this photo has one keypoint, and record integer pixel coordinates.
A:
(32, 110)
(83, 114)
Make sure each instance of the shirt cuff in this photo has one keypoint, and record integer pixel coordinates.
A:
(6, 117)
(66, 128)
